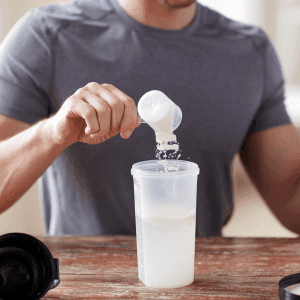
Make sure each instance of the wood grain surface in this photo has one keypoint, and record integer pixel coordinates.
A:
(105, 267)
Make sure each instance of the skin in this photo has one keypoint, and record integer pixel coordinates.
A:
(163, 14)
(92, 115)
(96, 113)
(272, 160)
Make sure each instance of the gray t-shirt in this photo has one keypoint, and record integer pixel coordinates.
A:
(225, 76)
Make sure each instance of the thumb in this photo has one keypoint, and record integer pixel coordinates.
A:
(138, 121)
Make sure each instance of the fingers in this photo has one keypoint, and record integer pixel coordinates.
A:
(78, 108)
(111, 111)
(102, 110)
(107, 93)
(138, 121)
(103, 114)
(129, 112)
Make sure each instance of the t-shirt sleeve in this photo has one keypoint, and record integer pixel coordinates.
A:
(272, 111)
(25, 70)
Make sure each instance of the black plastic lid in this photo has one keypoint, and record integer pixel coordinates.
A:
(285, 282)
(27, 268)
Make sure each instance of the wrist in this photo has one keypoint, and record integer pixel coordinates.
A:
(49, 133)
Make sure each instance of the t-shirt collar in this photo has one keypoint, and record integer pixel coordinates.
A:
(158, 31)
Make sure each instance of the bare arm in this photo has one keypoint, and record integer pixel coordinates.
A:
(272, 159)
(92, 115)
(23, 159)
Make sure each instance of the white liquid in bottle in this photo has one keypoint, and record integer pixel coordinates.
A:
(169, 247)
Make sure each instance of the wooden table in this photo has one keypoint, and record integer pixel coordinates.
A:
(105, 267)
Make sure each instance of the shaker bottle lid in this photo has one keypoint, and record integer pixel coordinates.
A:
(27, 268)
(284, 283)
(155, 168)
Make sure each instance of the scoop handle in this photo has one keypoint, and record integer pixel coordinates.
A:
(142, 121)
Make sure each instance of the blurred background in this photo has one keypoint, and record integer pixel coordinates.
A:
(251, 217)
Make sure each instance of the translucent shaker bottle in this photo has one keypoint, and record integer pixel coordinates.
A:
(165, 211)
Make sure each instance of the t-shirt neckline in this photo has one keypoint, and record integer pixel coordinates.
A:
(158, 31)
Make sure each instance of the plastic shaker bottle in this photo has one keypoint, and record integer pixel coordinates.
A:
(165, 210)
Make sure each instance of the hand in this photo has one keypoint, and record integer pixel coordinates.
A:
(94, 114)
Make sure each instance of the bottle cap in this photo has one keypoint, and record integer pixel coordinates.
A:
(285, 285)
(27, 268)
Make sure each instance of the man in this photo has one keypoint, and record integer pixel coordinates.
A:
(70, 78)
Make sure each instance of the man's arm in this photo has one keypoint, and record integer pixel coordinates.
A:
(25, 153)
(92, 115)
(272, 160)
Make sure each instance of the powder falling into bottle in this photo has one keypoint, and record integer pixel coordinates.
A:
(160, 112)
(166, 141)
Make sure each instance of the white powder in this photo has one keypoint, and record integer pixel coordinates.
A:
(164, 135)
(158, 111)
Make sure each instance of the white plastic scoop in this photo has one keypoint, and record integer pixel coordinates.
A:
(155, 107)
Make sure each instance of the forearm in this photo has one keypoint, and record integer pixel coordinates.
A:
(291, 211)
(23, 159)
